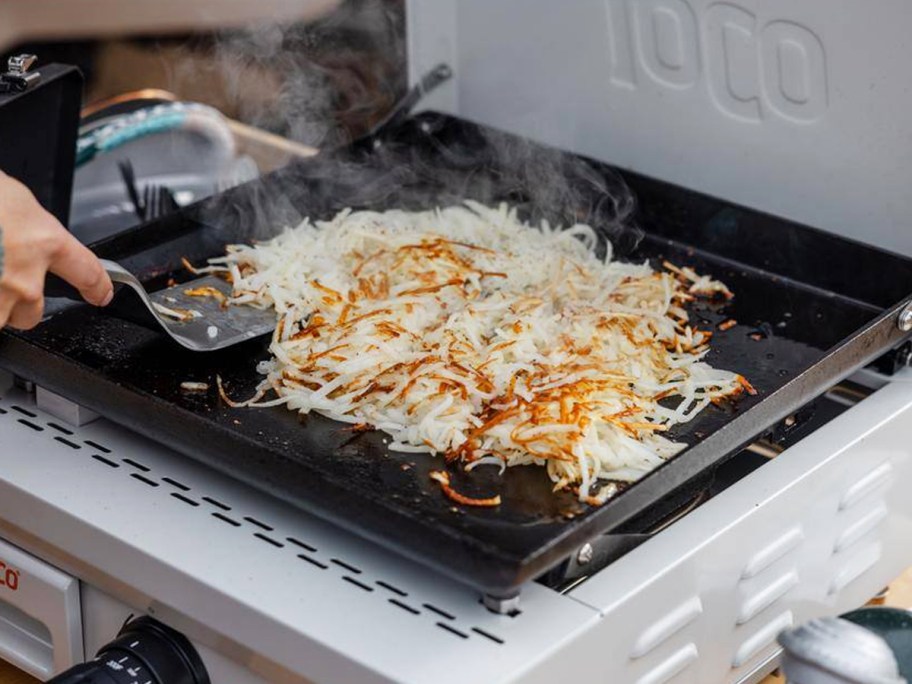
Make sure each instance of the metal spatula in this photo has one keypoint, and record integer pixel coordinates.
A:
(208, 324)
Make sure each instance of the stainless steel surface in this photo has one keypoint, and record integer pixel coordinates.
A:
(212, 326)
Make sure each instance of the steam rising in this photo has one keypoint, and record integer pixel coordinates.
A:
(428, 164)
(330, 80)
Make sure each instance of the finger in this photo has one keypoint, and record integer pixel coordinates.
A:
(6, 307)
(26, 315)
(76, 264)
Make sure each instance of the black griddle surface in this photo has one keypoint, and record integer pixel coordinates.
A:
(794, 337)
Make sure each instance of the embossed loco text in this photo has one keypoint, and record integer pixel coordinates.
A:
(753, 69)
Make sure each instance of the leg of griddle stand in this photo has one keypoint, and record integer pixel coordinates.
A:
(502, 605)
(64, 409)
(26, 386)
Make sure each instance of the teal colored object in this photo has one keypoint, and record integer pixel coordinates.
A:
(108, 138)
(150, 126)
(894, 626)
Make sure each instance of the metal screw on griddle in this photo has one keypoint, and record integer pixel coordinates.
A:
(904, 355)
(585, 554)
(905, 319)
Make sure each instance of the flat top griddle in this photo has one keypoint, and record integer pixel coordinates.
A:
(810, 308)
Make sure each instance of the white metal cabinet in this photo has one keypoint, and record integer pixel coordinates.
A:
(795, 108)
(40, 616)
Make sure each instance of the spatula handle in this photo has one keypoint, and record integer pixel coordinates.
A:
(55, 286)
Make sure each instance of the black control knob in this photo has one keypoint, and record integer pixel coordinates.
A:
(145, 652)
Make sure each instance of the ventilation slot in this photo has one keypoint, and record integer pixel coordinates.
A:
(362, 585)
(269, 540)
(761, 639)
(185, 499)
(144, 480)
(313, 561)
(257, 523)
(767, 578)
(438, 611)
(666, 626)
(343, 564)
(488, 635)
(225, 518)
(175, 483)
(404, 606)
(300, 544)
(107, 462)
(138, 466)
(390, 587)
(762, 598)
(452, 630)
(216, 503)
(193, 499)
(96, 445)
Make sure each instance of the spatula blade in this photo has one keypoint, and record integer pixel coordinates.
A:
(211, 323)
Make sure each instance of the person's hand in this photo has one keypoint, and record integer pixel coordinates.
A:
(33, 243)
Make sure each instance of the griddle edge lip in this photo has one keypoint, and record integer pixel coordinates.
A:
(484, 566)
(45, 369)
(24, 360)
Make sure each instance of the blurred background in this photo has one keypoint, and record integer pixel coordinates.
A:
(315, 71)
(184, 99)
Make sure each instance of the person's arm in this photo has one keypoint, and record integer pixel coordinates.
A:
(32, 242)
